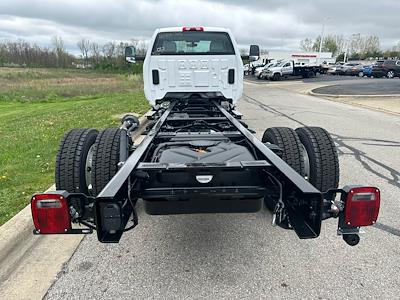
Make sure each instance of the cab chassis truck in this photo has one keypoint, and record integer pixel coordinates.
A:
(198, 155)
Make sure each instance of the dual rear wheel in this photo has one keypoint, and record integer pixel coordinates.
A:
(310, 151)
(87, 160)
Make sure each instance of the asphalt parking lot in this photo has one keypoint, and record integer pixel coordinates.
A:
(236, 256)
(363, 86)
(318, 78)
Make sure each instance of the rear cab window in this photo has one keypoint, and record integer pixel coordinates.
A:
(193, 43)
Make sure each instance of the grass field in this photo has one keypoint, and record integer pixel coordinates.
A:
(37, 106)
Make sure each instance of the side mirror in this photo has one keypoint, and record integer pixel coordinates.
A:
(254, 53)
(130, 53)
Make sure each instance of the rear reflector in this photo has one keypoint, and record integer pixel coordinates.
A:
(362, 206)
(193, 28)
(50, 213)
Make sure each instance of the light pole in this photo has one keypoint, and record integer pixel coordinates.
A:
(347, 49)
(322, 34)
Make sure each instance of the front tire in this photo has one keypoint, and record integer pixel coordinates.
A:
(276, 77)
(72, 160)
(322, 157)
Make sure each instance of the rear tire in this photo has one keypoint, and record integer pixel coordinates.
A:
(71, 163)
(390, 74)
(322, 157)
(289, 143)
(105, 158)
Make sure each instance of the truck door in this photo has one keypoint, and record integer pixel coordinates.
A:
(287, 69)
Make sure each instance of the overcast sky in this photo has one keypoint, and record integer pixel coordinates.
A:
(272, 24)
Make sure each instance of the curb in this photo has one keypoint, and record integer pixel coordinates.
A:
(343, 101)
(16, 237)
(310, 92)
(13, 234)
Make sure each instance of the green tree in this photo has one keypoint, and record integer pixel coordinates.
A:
(329, 44)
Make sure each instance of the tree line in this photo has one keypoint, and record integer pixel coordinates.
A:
(110, 55)
(355, 47)
(23, 53)
(107, 56)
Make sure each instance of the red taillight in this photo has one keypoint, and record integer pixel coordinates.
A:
(199, 28)
(50, 213)
(362, 206)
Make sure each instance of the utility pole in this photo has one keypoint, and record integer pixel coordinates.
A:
(322, 36)
(345, 51)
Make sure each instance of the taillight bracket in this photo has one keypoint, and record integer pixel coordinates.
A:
(358, 206)
(55, 211)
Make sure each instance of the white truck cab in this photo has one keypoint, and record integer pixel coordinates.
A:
(185, 61)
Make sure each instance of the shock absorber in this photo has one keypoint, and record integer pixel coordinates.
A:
(129, 124)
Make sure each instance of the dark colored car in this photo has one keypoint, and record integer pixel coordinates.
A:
(388, 68)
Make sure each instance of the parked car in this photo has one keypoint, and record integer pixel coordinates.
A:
(388, 68)
(246, 69)
(366, 71)
(258, 72)
(332, 69)
(356, 70)
(343, 70)
(326, 66)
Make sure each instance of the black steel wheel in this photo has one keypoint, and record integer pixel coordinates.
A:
(291, 152)
(105, 158)
(73, 161)
(321, 157)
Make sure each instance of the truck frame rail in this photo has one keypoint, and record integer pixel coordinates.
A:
(173, 187)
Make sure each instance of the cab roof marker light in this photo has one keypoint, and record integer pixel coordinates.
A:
(188, 28)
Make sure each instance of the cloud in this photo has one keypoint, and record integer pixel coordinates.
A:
(272, 24)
